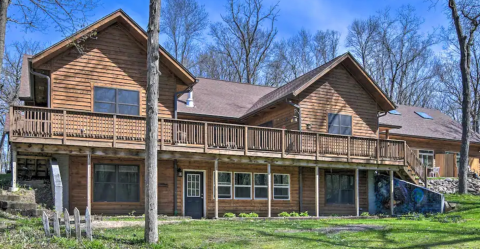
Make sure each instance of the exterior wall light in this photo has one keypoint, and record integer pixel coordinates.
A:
(179, 172)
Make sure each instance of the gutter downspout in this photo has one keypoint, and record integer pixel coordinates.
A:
(300, 170)
(48, 84)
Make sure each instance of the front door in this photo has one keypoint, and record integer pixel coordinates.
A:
(193, 192)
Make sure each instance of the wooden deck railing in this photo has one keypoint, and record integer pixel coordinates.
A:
(415, 163)
(207, 137)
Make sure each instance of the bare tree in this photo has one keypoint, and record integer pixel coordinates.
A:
(465, 16)
(67, 16)
(325, 45)
(183, 21)
(245, 36)
(151, 135)
(396, 54)
(212, 63)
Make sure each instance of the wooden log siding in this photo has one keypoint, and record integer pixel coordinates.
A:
(37, 122)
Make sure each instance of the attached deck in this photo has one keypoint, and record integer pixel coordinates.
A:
(36, 125)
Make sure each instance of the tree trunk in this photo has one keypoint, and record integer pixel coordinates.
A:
(3, 26)
(464, 44)
(151, 136)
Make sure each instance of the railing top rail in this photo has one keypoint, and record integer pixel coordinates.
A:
(206, 122)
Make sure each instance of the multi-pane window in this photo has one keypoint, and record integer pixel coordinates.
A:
(224, 185)
(426, 156)
(116, 183)
(339, 124)
(261, 186)
(281, 187)
(111, 100)
(340, 189)
(243, 185)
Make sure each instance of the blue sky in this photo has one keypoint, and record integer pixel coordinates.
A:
(293, 16)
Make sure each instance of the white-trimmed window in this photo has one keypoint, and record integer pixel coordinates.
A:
(224, 185)
(281, 187)
(260, 185)
(426, 156)
(243, 185)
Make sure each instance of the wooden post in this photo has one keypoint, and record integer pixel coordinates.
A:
(216, 189)
(378, 151)
(245, 140)
(64, 126)
(269, 189)
(405, 151)
(12, 122)
(114, 131)
(76, 217)
(426, 175)
(88, 224)
(387, 134)
(13, 150)
(300, 189)
(317, 153)
(205, 137)
(317, 204)
(357, 201)
(66, 220)
(46, 225)
(349, 142)
(162, 134)
(392, 196)
(89, 180)
(56, 224)
(283, 143)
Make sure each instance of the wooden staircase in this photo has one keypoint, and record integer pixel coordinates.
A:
(414, 170)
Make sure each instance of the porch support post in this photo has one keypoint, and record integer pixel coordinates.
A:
(89, 182)
(13, 151)
(269, 170)
(392, 197)
(357, 201)
(216, 189)
(317, 208)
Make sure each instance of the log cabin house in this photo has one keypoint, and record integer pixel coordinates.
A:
(434, 136)
(311, 145)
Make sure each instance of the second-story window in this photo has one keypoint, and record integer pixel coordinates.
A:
(111, 100)
(339, 124)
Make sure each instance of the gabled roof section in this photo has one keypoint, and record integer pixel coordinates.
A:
(296, 86)
(137, 32)
(24, 93)
(222, 98)
(411, 124)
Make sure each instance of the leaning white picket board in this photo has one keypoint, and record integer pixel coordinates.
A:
(46, 226)
(66, 220)
(88, 224)
(56, 225)
(78, 232)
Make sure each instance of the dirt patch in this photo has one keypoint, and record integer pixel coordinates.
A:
(335, 229)
(120, 224)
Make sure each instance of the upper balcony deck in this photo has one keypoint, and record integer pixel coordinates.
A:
(70, 127)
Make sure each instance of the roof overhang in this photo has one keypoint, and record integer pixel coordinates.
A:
(389, 126)
(139, 34)
(357, 72)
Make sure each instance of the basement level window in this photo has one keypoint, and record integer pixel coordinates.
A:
(423, 115)
(394, 112)
(116, 183)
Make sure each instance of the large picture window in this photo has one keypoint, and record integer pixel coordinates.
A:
(339, 124)
(243, 185)
(111, 100)
(224, 185)
(261, 186)
(281, 187)
(340, 189)
(116, 183)
(426, 156)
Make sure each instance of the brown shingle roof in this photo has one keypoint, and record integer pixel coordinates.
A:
(222, 98)
(440, 127)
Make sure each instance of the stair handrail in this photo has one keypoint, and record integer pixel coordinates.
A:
(415, 163)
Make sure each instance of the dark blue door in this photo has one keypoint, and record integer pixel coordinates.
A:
(193, 191)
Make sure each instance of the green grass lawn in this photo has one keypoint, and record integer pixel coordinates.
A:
(458, 229)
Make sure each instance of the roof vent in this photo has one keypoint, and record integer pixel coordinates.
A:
(190, 99)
